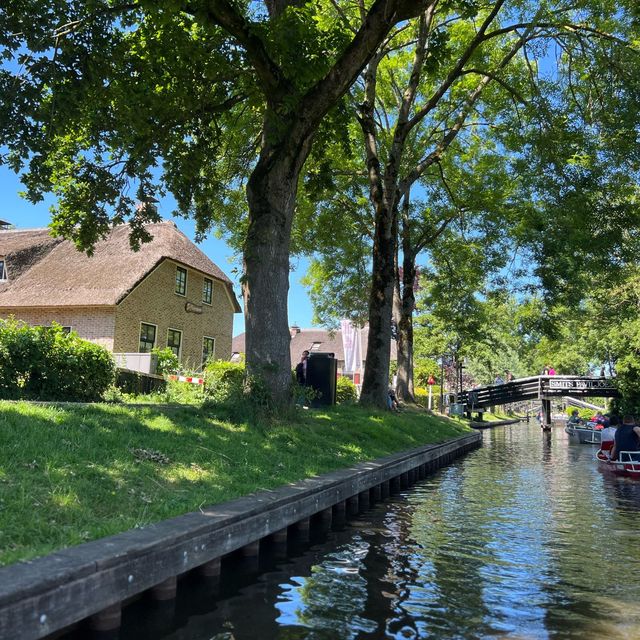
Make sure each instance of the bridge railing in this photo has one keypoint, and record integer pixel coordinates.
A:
(496, 394)
(535, 387)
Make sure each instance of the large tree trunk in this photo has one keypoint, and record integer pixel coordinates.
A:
(404, 388)
(375, 384)
(271, 196)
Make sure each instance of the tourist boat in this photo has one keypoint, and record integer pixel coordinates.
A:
(588, 433)
(627, 464)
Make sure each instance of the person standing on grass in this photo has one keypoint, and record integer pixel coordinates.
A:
(301, 369)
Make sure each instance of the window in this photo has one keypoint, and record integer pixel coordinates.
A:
(66, 329)
(147, 337)
(208, 349)
(174, 340)
(181, 281)
(3, 271)
(207, 291)
(315, 346)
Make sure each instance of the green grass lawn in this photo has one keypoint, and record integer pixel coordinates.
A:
(70, 474)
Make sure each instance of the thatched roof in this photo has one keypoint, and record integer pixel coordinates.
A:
(304, 339)
(49, 272)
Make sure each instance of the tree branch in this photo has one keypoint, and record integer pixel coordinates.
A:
(499, 80)
(455, 72)
(223, 13)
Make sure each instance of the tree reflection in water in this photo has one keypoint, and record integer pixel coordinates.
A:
(522, 539)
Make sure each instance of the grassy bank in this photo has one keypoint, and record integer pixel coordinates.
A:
(69, 474)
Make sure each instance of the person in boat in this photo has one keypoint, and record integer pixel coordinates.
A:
(608, 437)
(599, 420)
(627, 437)
(575, 419)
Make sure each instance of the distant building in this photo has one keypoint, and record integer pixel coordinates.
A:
(167, 294)
(314, 340)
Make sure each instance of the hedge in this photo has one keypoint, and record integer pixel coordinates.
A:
(47, 363)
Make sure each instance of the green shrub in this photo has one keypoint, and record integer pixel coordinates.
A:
(423, 370)
(168, 362)
(585, 414)
(421, 395)
(224, 382)
(346, 392)
(46, 363)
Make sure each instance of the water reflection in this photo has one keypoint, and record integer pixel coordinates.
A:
(522, 539)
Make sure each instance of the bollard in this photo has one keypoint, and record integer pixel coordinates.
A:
(210, 569)
(280, 537)
(326, 519)
(166, 590)
(108, 619)
(302, 529)
(251, 550)
(339, 512)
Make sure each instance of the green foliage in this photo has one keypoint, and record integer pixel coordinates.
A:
(346, 392)
(224, 382)
(178, 392)
(585, 414)
(423, 370)
(168, 362)
(114, 395)
(421, 395)
(45, 363)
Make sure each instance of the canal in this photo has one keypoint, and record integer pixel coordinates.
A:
(523, 538)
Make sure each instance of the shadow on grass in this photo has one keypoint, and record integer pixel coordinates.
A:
(73, 474)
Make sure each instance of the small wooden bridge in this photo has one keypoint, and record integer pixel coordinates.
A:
(542, 388)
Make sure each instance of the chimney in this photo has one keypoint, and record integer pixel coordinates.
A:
(294, 330)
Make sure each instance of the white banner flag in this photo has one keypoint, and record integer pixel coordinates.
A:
(351, 343)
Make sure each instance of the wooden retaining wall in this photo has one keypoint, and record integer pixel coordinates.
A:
(42, 596)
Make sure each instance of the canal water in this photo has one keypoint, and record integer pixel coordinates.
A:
(524, 538)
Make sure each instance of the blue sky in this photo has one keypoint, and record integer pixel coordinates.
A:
(25, 215)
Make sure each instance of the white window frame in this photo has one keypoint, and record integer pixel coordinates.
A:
(204, 281)
(186, 281)
(212, 354)
(155, 341)
(3, 270)
(181, 338)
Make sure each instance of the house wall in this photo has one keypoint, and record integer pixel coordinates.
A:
(91, 323)
(154, 301)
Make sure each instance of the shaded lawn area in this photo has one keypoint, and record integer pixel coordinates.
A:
(72, 474)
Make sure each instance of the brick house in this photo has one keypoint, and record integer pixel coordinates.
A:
(166, 294)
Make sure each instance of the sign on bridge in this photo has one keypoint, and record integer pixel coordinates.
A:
(578, 384)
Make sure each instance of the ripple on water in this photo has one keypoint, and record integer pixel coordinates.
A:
(523, 539)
